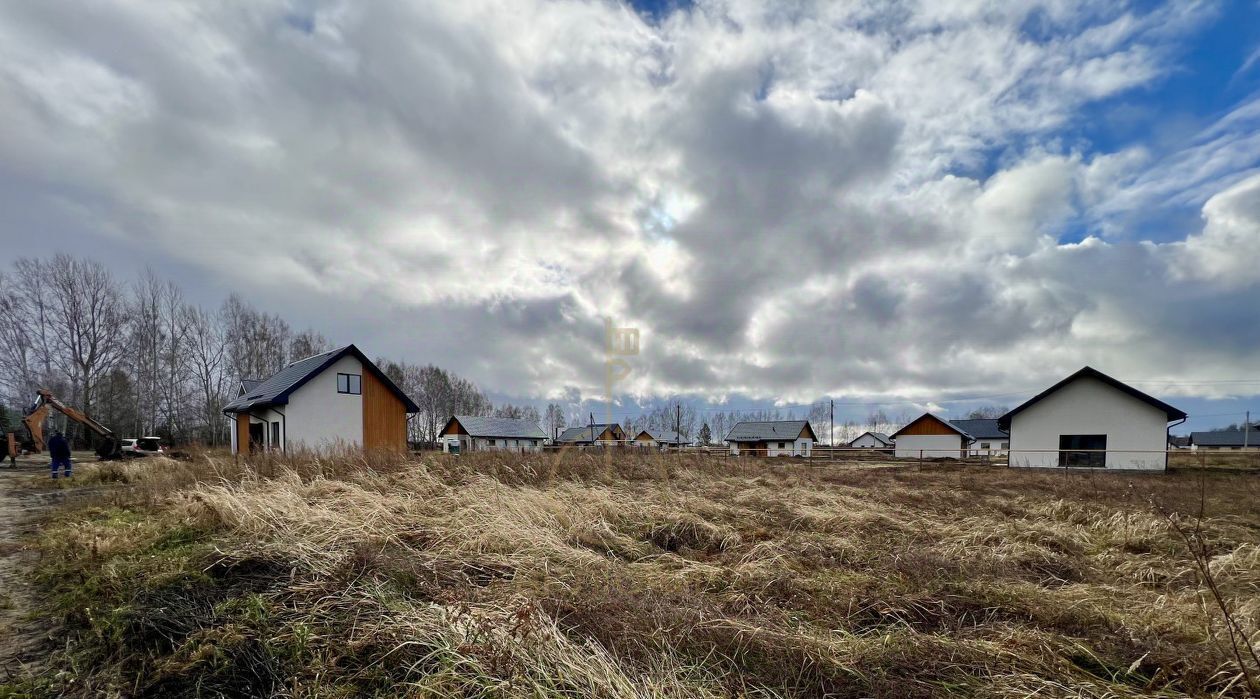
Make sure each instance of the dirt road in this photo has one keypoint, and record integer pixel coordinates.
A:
(23, 639)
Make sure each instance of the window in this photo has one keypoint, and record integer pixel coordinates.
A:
(782, 445)
(1093, 448)
(490, 442)
(275, 435)
(350, 383)
(1006, 445)
(984, 445)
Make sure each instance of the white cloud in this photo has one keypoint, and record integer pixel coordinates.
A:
(787, 200)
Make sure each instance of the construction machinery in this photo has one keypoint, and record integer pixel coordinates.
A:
(107, 447)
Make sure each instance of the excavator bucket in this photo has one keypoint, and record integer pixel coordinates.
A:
(108, 449)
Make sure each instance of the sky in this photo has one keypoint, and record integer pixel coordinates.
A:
(915, 205)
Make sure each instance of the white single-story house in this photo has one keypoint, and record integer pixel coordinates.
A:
(664, 439)
(990, 439)
(872, 440)
(772, 438)
(335, 398)
(930, 437)
(1226, 440)
(1091, 420)
(599, 433)
(465, 433)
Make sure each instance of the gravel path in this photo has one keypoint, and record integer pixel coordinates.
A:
(24, 639)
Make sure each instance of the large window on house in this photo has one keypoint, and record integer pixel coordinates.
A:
(1093, 450)
(275, 435)
(350, 383)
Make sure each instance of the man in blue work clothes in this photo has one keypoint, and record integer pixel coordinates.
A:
(59, 450)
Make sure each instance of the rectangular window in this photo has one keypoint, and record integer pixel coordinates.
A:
(1006, 445)
(350, 383)
(491, 442)
(1093, 450)
(275, 435)
(782, 445)
(984, 445)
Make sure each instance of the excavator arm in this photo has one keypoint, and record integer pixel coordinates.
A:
(38, 414)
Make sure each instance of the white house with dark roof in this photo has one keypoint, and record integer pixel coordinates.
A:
(465, 433)
(772, 438)
(1091, 420)
(930, 437)
(872, 440)
(990, 440)
(335, 398)
(1226, 440)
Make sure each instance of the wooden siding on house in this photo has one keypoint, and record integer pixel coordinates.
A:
(384, 416)
(452, 427)
(928, 425)
(242, 433)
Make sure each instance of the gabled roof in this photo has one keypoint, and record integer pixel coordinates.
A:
(1225, 438)
(276, 389)
(769, 431)
(946, 423)
(981, 428)
(508, 427)
(664, 436)
(1004, 422)
(879, 437)
(585, 433)
(248, 385)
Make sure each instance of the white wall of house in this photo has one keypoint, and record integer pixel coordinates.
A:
(929, 446)
(788, 447)
(319, 417)
(992, 446)
(866, 441)
(467, 443)
(1137, 432)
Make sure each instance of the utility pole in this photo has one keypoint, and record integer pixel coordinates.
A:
(1246, 429)
(831, 434)
(678, 424)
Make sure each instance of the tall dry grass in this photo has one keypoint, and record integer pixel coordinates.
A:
(531, 575)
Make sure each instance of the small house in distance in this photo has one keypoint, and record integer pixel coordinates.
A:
(772, 438)
(334, 398)
(872, 440)
(930, 437)
(465, 433)
(1226, 440)
(990, 439)
(586, 435)
(664, 439)
(1092, 420)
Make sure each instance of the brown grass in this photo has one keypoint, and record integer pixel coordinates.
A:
(509, 575)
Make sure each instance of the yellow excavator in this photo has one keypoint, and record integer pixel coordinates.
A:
(107, 447)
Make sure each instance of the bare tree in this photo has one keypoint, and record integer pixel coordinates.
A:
(555, 420)
(89, 306)
(307, 343)
(207, 361)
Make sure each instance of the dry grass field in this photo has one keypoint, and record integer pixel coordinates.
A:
(648, 576)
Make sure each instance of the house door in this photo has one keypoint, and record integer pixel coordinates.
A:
(255, 437)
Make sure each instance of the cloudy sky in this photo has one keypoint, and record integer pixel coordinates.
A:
(875, 201)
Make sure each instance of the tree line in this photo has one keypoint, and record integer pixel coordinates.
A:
(142, 359)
